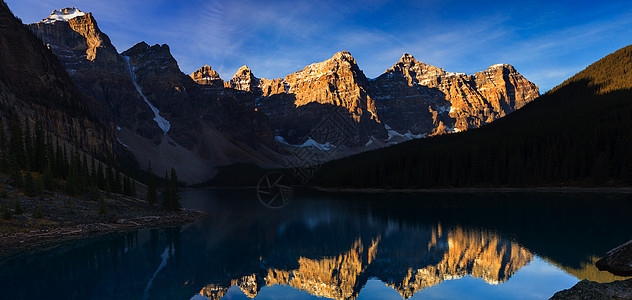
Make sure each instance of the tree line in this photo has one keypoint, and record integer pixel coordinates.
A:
(35, 161)
(171, 197)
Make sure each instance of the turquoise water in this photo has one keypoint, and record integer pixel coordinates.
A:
(395, 246)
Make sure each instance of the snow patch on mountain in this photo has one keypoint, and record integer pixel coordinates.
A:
(63, 15)
(311, 143)
(121, 142)
(280, 139)
(314, 144)
(407, 136)
(162, 122)
(497, 66)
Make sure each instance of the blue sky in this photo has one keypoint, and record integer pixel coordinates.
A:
(547, 41)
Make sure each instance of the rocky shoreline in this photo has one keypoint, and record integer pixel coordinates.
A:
(617, 261)
(590, 290)
(17, 242)
(28, 223)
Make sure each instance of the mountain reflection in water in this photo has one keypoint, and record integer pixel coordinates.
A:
(337, 246)
(427, 258)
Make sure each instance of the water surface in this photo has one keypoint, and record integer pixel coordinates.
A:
(382, 246)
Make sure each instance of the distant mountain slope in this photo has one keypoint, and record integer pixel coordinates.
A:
(576, 134)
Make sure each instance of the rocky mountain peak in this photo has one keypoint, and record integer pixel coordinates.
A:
(153, 57)
(77, 32)
(244, 70)
(207, 76)
(140, 45)
(244, 80)
(143, 47)
(343, 55)
(337, 84)
(63, 15)
(407, 58)
(411, 68)
(342, 59)
(505, 68)
(455, 101)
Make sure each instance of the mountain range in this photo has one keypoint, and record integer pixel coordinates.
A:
(577, 134)
(325, 111)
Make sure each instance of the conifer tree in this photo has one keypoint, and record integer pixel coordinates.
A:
(47, 177)
(151, 186)
(37, 214)
(65, 162)
(133, 182)
(86, 179)
(100, 177)
(28, 145)
(117, 188)
(108, 188)
(39, 149)
(109, 177)
(166, 199)
(30, 188)
(4, 152)
(50, 152)
(93, 193)
(127, 188)
(59, 161)
(16, 145)
(102, 209)
(15, 176)
(93, 170)
(175, 197)
(17, 209)
(73, 183)
(71, 187)
(6, 214)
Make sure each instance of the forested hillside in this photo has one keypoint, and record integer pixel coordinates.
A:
(576, 134)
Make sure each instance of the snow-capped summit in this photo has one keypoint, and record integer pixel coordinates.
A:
(63, 15)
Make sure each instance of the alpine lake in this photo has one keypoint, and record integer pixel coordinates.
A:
(340, 246)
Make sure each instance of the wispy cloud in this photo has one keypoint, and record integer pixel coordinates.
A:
(546, 41)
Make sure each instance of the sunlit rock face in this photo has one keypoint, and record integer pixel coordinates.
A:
(75, 34)
(208, 77)
(244, 80)
(480, 254)
(337, 277)
(428, 100)
(410, 100)
(214, 292)
(338, 81)
(297, 103)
